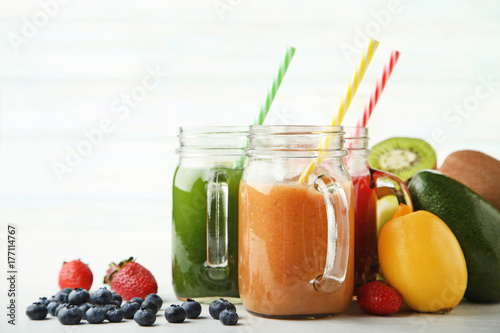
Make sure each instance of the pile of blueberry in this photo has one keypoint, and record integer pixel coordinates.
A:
(71, 306)
(143, 311)
(225, 311)
(221, 309)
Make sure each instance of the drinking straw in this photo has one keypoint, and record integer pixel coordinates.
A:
(273, 89)
(346, 99)
(271, 92)
(379, 88)
(393, 59)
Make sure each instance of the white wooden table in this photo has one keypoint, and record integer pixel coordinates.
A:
(465, 317)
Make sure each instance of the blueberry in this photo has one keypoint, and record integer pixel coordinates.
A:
(228, 317)
(59, 307)
(149, 304)
(52, 307)
(101, 296)
(44, 300)
(96, 314)
(155, 299)
(84, 307)
(115, 302)
(193, 308)
(61, 292)
(217, 306)
(115, 315)
(138, 300)
(145, 317)
(61, 297)
(129, 309)
(66, 290)
(108, 307)
(175, 314)
(78, 296)
(70, 315)
(116, 297)
(37, 311)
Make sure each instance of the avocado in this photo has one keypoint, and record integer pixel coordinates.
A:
(474, 222)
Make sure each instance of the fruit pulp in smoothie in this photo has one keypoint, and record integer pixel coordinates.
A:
(282, 247)
(191, 278)
(366, 261)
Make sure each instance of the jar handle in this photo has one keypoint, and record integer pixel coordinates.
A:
(337, 254)
(397, 186)
(217, 225)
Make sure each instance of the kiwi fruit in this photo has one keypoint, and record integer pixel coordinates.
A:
(476, 170)
(402, 156)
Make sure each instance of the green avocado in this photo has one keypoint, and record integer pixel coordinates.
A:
(474, 222)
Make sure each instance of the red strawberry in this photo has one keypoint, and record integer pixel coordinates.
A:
(129, 279)
(75, 274)
(378, 298)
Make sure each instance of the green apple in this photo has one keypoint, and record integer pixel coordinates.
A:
(386, 208)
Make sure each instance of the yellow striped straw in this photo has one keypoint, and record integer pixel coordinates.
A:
(345, 101)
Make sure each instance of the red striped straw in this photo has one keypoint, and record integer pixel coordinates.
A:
(378, 89)
(389, 66)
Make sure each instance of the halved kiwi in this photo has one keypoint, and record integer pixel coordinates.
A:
(402, 156)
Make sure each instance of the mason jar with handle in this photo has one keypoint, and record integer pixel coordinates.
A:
(296, 237)
(370, 185)
(205, 212)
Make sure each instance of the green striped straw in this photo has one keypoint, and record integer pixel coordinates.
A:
(273, 89)
(271, 92)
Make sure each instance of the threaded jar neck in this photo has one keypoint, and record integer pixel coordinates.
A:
(296, 141)
(212, 140)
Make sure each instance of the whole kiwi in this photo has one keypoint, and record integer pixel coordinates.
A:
(477, 171)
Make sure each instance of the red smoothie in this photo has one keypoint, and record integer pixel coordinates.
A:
(365, 245)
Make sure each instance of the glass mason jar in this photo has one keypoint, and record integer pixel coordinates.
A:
(205, 212)
(369, 186)
(296, 249)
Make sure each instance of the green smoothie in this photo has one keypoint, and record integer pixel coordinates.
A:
(191, 276)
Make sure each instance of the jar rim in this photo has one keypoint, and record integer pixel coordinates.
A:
(359, 151)
(296, 153)
(212, 140)
(210, 130)
(294, 129)
(295, 141)
(202, 152)
(356, 132)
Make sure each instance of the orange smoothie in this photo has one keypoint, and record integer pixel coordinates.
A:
(282, 247)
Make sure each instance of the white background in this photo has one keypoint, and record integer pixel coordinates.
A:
(217, 60)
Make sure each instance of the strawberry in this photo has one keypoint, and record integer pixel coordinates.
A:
(378, 298)
(75, 274)
(130, 279)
